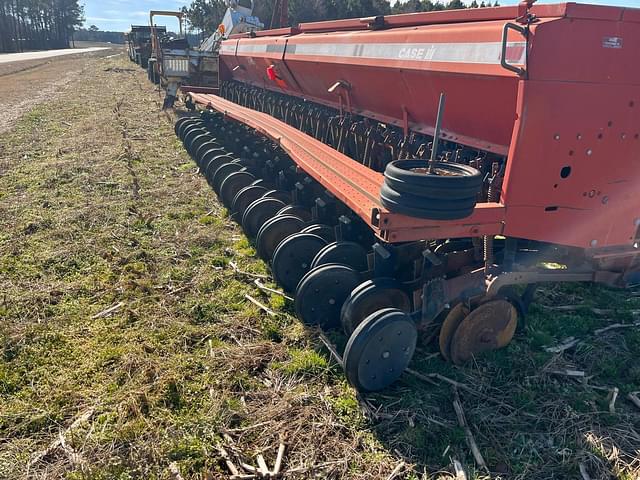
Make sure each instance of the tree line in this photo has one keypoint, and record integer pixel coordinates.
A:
(206, 15)
(38, 24)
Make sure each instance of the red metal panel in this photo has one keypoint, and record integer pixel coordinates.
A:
(582, 51)
(574, 164)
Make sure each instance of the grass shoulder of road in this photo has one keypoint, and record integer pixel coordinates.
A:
(101, 210)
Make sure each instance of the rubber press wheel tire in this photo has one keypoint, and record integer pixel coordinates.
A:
(321, 293)
(180, 123)
(208, 157)
(191, 126)
(419, 207)
(244, 198)
(369, 297)
(380, 349)
(191, 134)
(297, 210)
(324, 231)
(274, 231)
(191, 123)
(451, 181)
(344, 253)
(198, 141)
(214, 164)
(222, 173)
(281, 195)
(258, 213)
(231, 185)
(205, 148)
(292, 258)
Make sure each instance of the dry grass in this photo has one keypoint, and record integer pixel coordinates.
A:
(100, 206)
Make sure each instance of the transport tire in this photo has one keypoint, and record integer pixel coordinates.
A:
(427, 203)
(398, 203)
(321, 293)
(274, 231)
(380, 349)
(452, 181)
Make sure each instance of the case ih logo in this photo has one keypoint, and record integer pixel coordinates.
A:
(408, 53)
(612, 42)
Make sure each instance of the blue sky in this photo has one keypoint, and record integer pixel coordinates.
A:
(118, 15)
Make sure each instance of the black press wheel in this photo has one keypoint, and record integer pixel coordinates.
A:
(369, 297)
(258, 213)
(345, 253)
(222, 173)
(231, 185)
(191, 134)
(285, 197)
(211, 167)
(292, 258)
(207, 156)
(199, 141)
(244, 198)
(189, 124)
(449, 181)
(266, 184)
(297, 210)
(274, 231)
(380, 349)
(196, 141)
(321, 293)
(181, 122)
(322, 230)
(205, 147)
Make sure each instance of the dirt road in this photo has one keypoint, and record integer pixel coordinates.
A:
(20, 57)
(30, 81)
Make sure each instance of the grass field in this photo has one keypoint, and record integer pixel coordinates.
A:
(129, 351)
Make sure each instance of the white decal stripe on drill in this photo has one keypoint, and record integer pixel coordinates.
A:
(476, 52)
